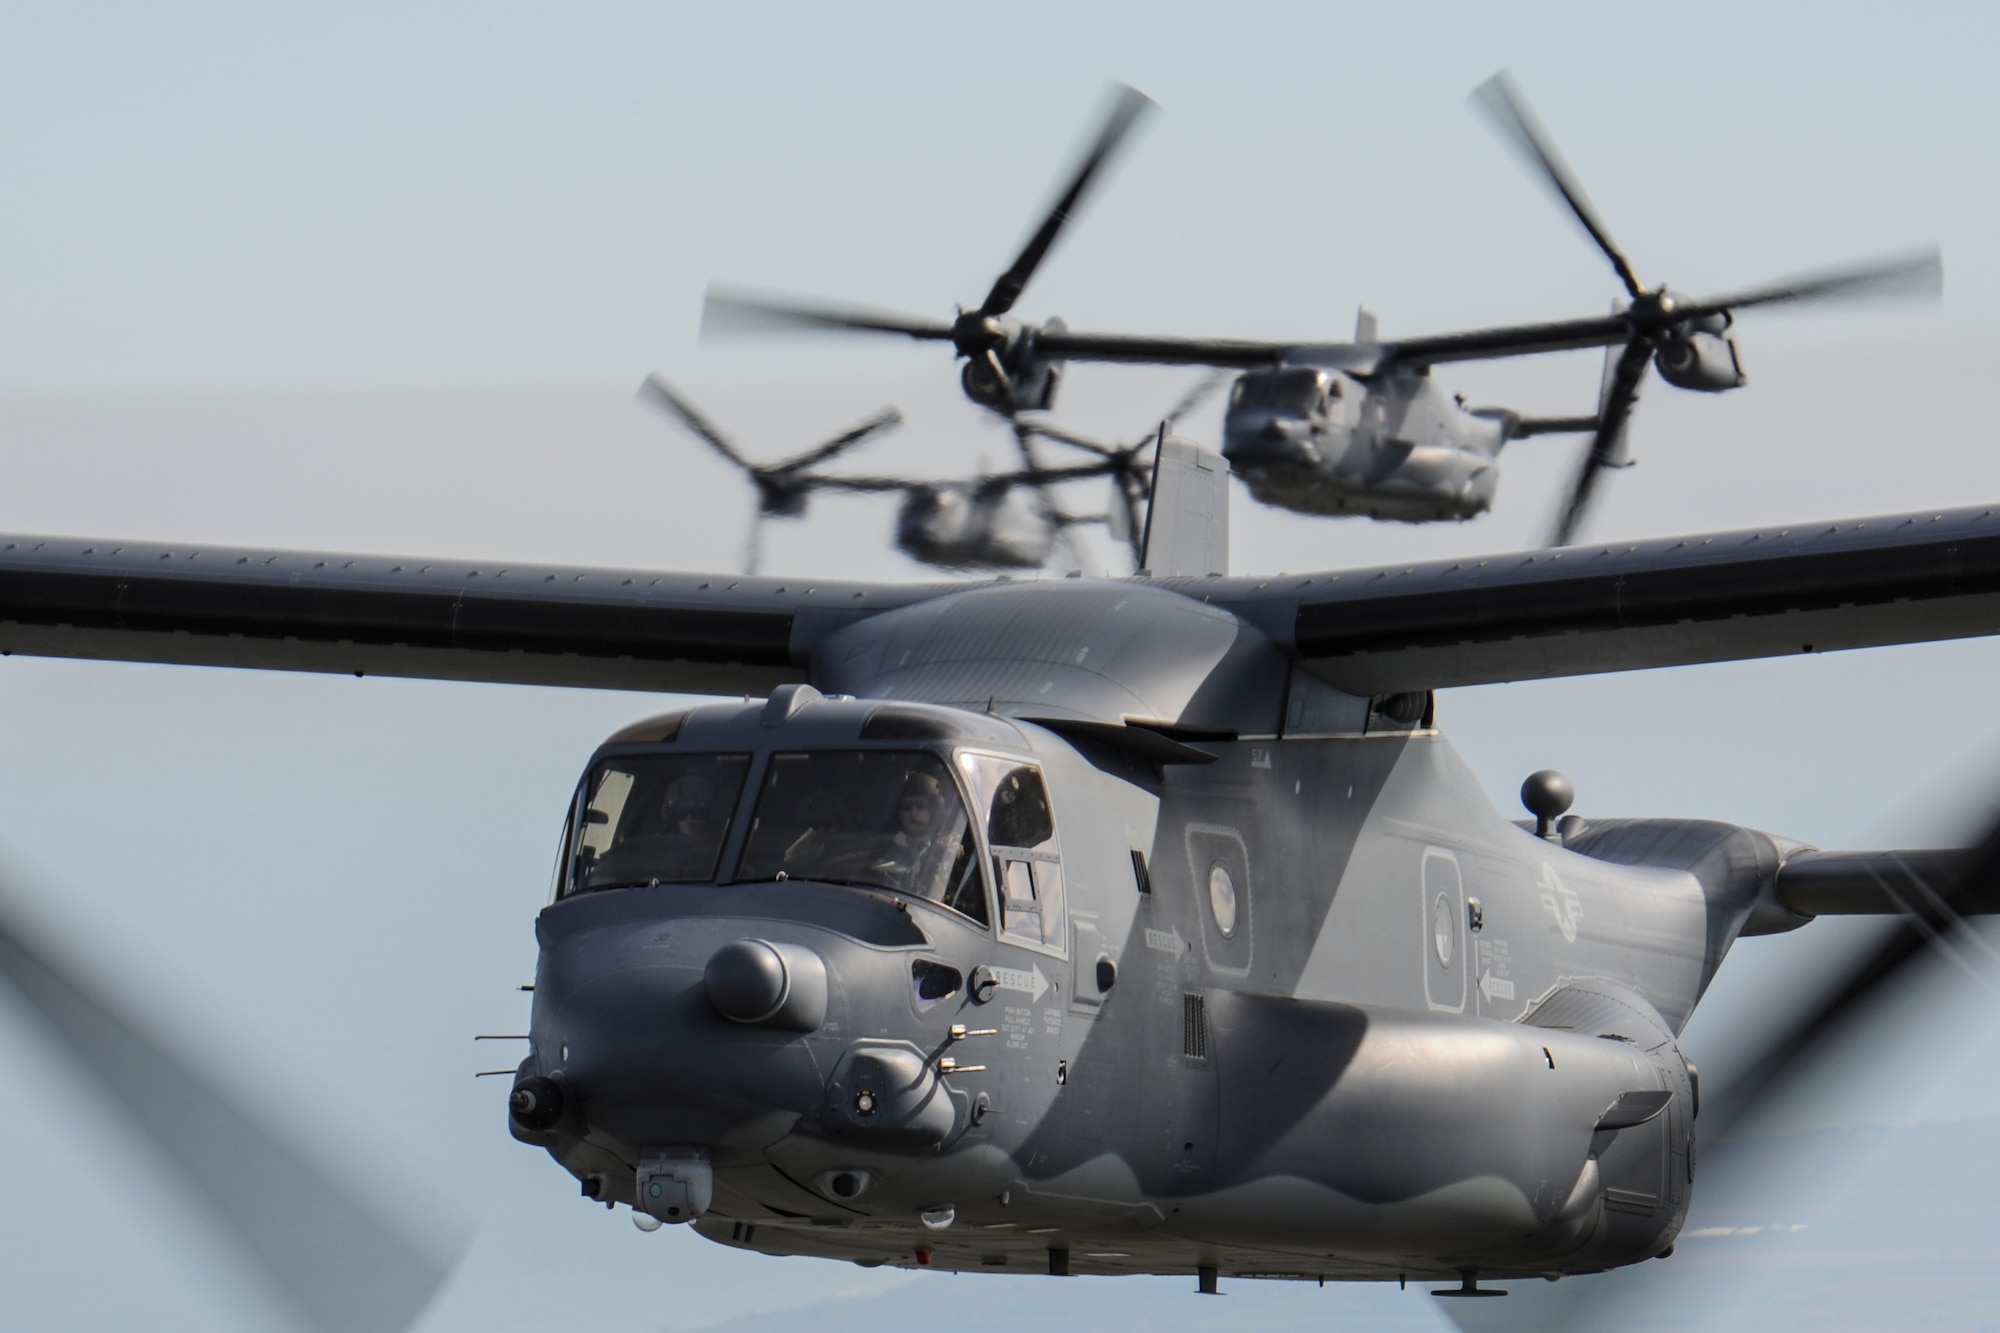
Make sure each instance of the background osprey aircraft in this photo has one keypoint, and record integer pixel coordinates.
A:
(1361, 427)
(1144, 925)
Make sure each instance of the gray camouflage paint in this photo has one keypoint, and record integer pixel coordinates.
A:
(1352, 1083)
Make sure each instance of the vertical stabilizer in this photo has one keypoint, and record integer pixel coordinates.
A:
(1365, 327)
(1187, 519)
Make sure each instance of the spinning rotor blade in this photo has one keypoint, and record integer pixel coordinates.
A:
(1917, 274)
(337, 1261)
(1052, 511)
(661, 394)
(1503, 102)
(1061, 436)
(1128, 104)
(725, 311)
(1192, 399)
(886, 419)
(1619, 398)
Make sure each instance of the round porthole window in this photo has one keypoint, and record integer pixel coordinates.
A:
(1222, 899)
(1444, 929)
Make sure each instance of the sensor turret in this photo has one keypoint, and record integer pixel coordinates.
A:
(1548, 794)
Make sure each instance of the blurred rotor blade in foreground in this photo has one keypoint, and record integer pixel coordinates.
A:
(337, 1260)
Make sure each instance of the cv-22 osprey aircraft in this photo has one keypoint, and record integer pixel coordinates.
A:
(1139, 925)
(1362, 428)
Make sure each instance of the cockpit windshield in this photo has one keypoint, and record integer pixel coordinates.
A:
(893, 819)
(655, 819)
(1292, 389)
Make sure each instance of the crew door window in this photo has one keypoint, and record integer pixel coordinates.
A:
(1021, 836)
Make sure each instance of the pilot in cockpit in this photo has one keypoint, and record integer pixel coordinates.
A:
(907, 857)
(691, 807)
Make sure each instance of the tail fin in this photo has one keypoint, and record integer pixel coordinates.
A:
(1187, 519)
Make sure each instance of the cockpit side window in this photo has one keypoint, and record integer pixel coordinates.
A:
(654, 819)
(891, 819)
(560, 885)
(1021, 834)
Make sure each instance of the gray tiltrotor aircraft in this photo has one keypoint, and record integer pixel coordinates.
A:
(1361, 427)
(976, 523)
(1145, 925)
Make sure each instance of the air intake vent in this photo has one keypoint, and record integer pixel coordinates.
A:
(1194, 1027)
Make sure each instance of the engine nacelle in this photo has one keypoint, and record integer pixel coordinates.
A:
(1025, 380)
(1702, 360)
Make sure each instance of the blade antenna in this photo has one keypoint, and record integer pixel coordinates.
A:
(1507, 107)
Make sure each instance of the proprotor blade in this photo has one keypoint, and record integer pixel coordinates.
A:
(1618, 400)
(341, 1263)
(661, 394)
(887, 419)
(1126, 107)
(1502, 100)
(1920, 273)
(727, 311)
(1192, 399)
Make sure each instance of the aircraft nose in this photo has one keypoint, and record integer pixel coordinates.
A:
(680, 1034)
(1274, 442)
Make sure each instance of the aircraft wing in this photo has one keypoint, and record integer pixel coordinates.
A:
(440, 619)
(1807, 587)
(1357, 358)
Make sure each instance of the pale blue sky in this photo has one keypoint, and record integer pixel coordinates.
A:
(381, 278)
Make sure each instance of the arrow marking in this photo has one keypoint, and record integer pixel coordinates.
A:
(1031, 981)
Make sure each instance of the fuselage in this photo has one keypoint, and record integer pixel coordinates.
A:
(1293, 1001)
(1394, 446)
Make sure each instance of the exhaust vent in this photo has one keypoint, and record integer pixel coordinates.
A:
(1194, 1027)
